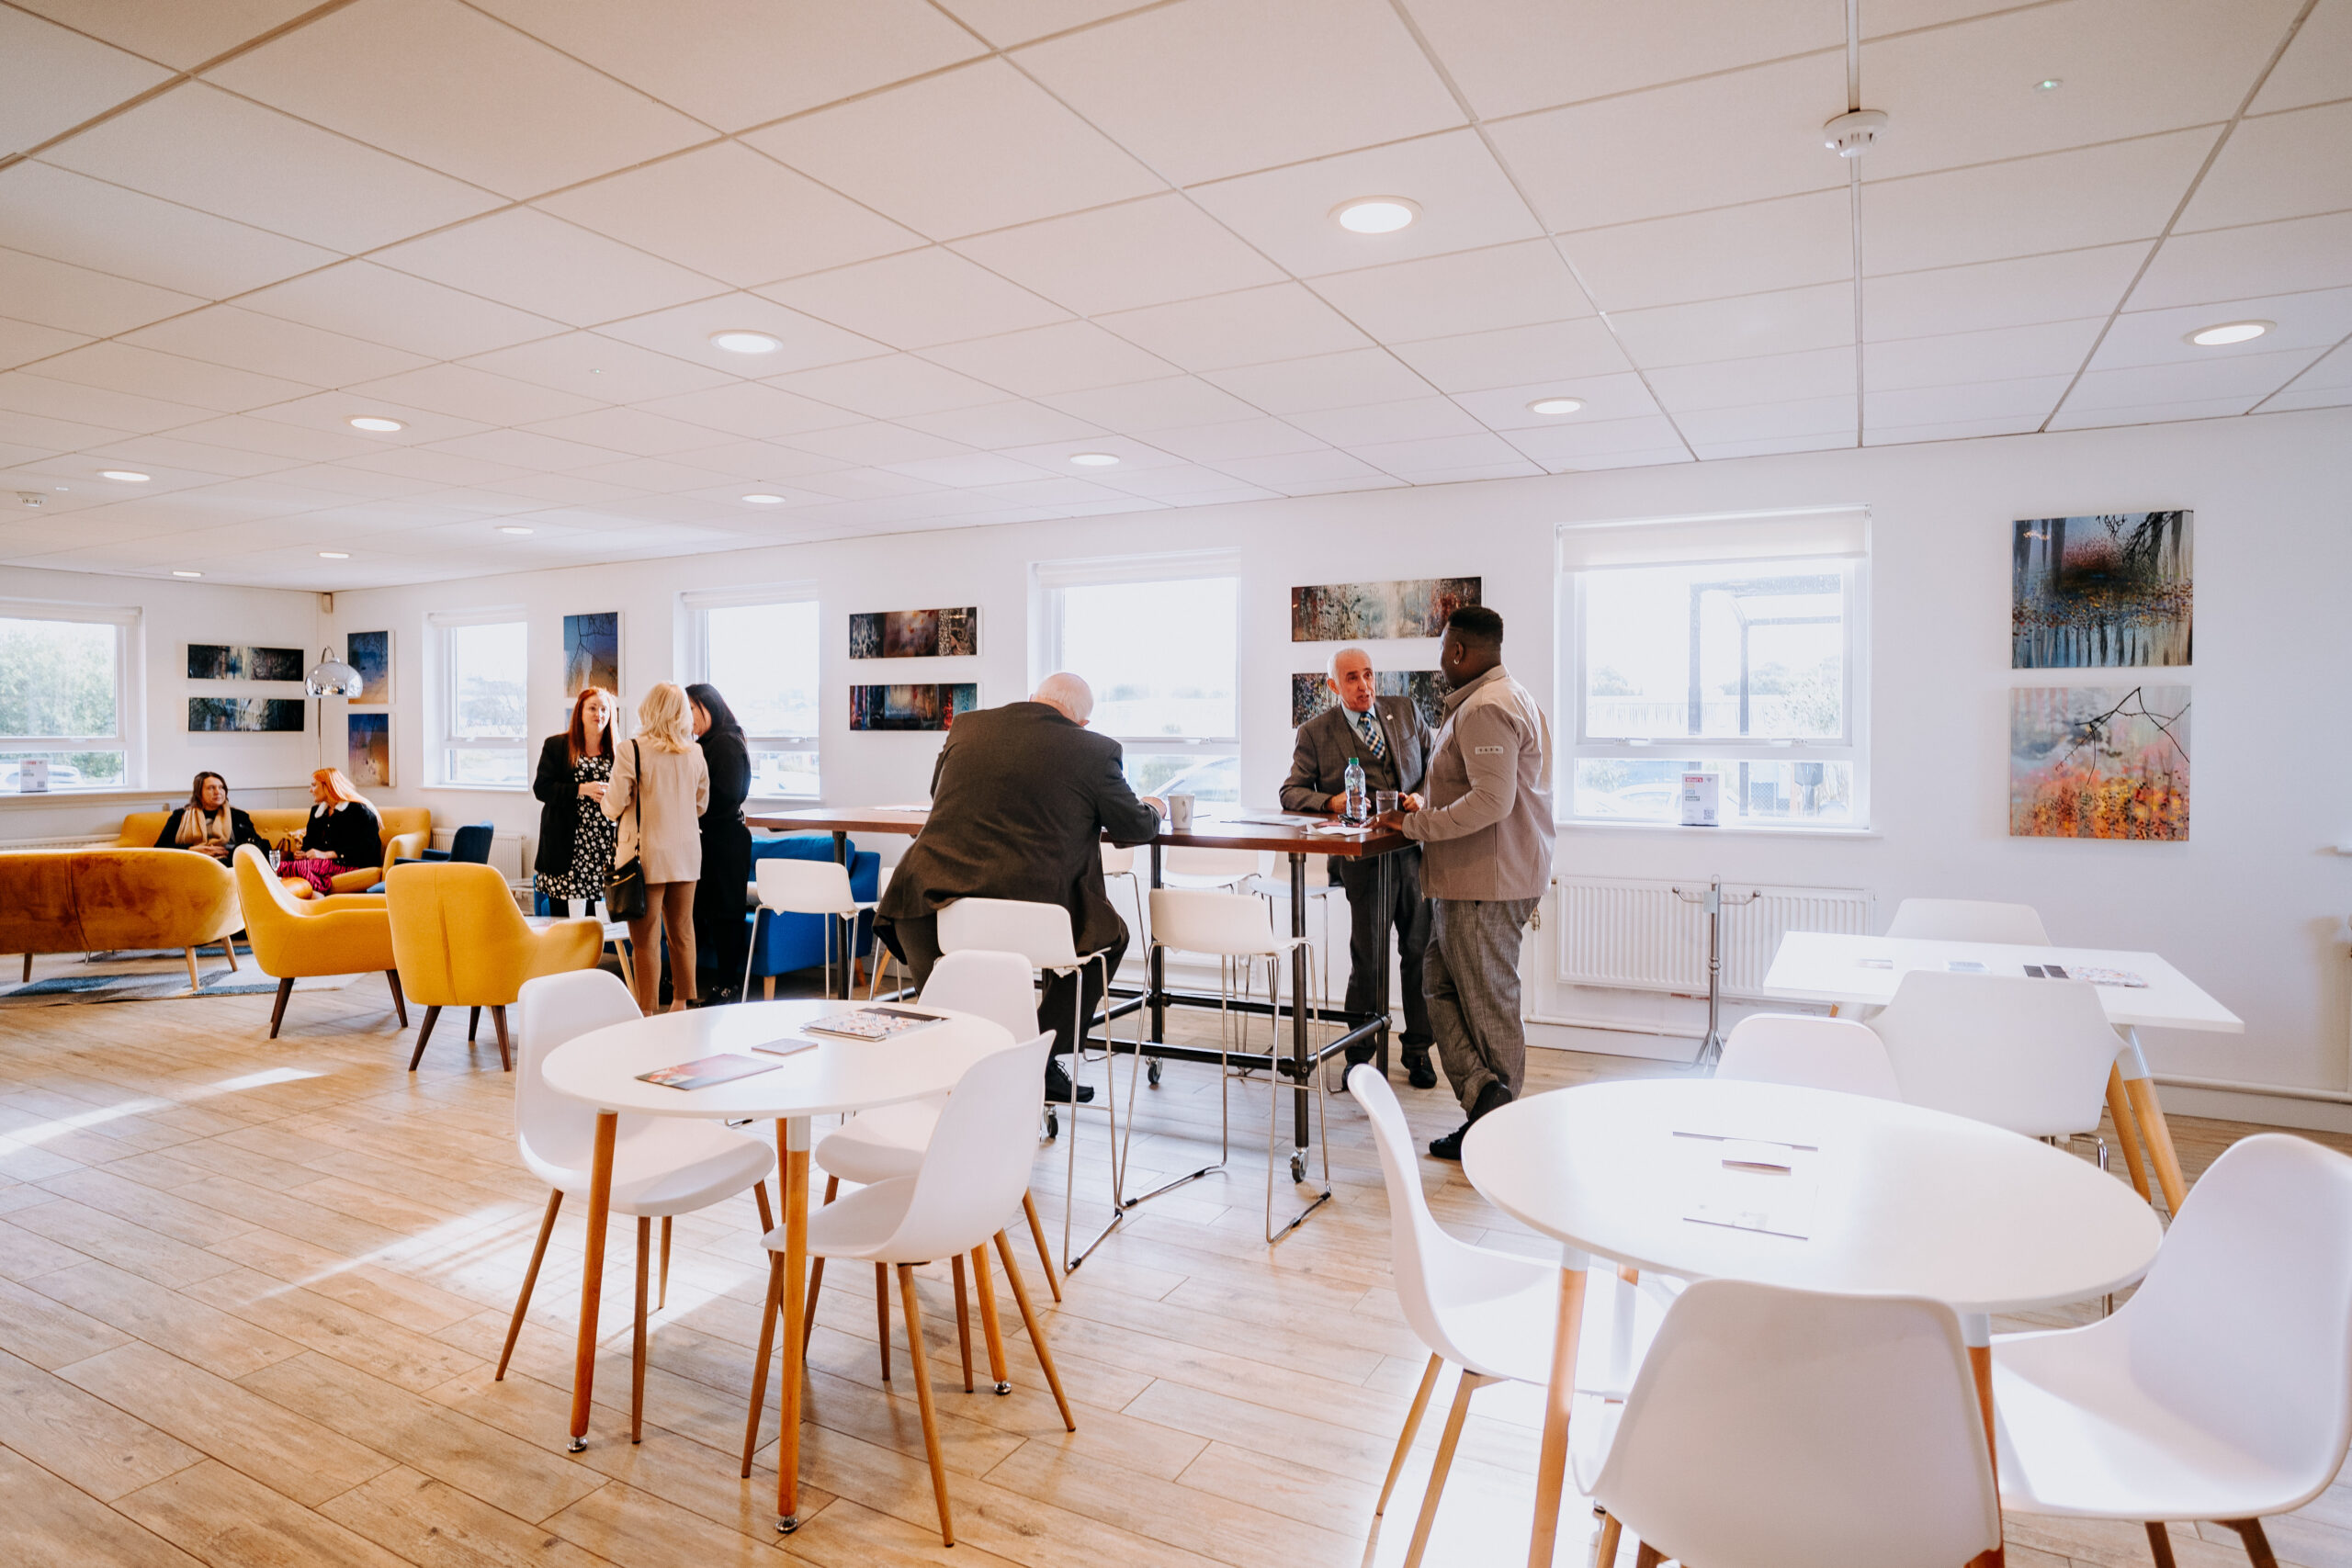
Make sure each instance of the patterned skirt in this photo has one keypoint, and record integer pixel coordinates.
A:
(593, 838)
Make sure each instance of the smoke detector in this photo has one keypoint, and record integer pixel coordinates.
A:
(31, 497)
(1853, 134)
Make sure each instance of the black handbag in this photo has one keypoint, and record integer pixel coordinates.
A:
(625, 885)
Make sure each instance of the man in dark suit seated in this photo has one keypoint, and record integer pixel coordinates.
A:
(1391, 738)
(1020, 800)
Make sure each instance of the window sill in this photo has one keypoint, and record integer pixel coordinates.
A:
(53, 796)
(477, 789)
(1574, 824)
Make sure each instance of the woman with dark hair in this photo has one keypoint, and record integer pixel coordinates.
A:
(720, 898)
(576, 837)
(207, 823)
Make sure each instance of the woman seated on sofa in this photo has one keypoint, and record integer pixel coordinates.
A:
(207, 823)
(344, 834)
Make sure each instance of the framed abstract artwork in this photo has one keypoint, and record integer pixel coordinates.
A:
(2098, 763)
(2109, 590)
(371, 653)
(592, 653)
(236, 661)
(925, 706)
(1345, 611)
(915, 634)
(367, 745)
(244, 716)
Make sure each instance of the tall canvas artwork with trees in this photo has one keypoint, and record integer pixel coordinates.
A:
(2098, 763)
(2109, 590)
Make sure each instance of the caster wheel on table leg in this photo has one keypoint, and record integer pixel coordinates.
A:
(1297, 1168)
(1002, 1389)
(1154, 1078)
(1053, 1123)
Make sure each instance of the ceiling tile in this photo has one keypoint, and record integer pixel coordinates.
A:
(969, 472)
(2092, 195)
(1470, 291)
(917, 300)
(472, 394)
(729, 212)
(120, 367)
(1152, 405)
(1744, 136)
(2315, 66)
(1793, 416)
(524, 449)
(891, 386)
(763, 461)
(1415, 419)
(2067, 286)
(684, 331)
(2320, 318)
(2245, 378)
(1134, 253)
(1789, 243)
(978, 147)
(532, 262)
(437, 467)
(207, 149)
(22, 343)
(47, 398)
(1516, 356)
(1786, 321)
(1218, 444)
(2333, 372)
(1993, 353)
(1509, 56)
(443, 84)
(751, 410)
(1466, 200)
(1007, 22)
(2075, 416)
(1775, 446)
(52, 79)
(633, 431)
(268, 345)
(1249, 327)
(1817, 373)
(1054, 457)
(740, 63)
(1575, 442)
(331, 412)
(181, 36)
(875, 443)
(1184, 483)
(2027, 399)
(365, 300)
(69, 217)
(275, 437)
(1322, 381)
(152, 452)
(2268, 258)
(74, 299)
(1877, 434)
(2297, 395)
(1284, 469)
(1069, 357)
(599, 369)
(1605, 398)
(2285, 166)
(656, 474)
(1218, 88)
(1438, 454)
(993, 426)
(1656, 457)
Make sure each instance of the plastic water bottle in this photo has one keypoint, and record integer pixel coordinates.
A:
(1356, 797)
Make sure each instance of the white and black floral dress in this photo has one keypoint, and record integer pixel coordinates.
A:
(593, 838)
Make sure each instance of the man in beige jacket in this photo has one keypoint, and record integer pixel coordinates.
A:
(1486, 859)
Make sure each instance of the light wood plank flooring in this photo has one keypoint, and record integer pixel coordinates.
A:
(251, 1294)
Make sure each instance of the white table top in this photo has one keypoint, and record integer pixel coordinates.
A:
(838, 1077)
(1821, 966)
(1910, 1200)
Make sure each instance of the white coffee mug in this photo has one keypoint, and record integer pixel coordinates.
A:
(1180, 813)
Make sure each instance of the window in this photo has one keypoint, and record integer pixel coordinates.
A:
(484, 699)
(65, 697)
(1157, 637)
(761, 653)
(1731, 645)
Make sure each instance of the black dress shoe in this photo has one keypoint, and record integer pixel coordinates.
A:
(1449, 1147)
(1057, 1087)
(1418, 1070)
(1491, 1099)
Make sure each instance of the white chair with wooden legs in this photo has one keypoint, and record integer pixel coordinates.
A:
(2032, 1056)
(2223, 1390)
(1491, 1314)
(886, 1143)
(1046, 938)
(662, 1166)
(1809, 1052)
(1238, 929)
(959, 1200)
(1780, 1429)
(1969, 919)
(819, 887)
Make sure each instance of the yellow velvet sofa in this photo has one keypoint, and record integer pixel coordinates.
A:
(407, 829)
(108, 900)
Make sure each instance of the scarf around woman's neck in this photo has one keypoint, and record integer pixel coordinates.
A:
(197, 828)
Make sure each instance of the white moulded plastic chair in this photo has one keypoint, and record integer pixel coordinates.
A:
(807, 888)
(2222, 1389)
(662, 1166)
(1193, 865)
(1809, 1052)
(1779, 1428)
(2032, 1056)
(1491, 1314)
(1968, 920)
(968, 1186)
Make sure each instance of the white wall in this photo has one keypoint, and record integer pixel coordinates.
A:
(261, 770)
(2253, 907)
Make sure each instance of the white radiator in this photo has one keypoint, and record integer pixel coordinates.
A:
(505, 851)
(68, 842)
(1639, 935)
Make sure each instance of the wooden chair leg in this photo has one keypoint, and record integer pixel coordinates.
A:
(399, 1001)
(2258, 1545)
(505, 1056)
(1412, 1426)
(1604, 1551)
(963, 1319)
(473, 1022)
(767, 990)
(278, 1011)
(1649, 1556)
(423, 1034)
(816, 1279)
(664, 1303)
(28, 970)
(1444, 1464)
(1045, 1253)
(1036, 1329)
(530, 1279)
(767, 1215)
(228, 946)
(991, 1325)
(2159, 1544)
(923, 1397)
(636, 1344)
(760, 1367)
(195, 981)
(882, 1314)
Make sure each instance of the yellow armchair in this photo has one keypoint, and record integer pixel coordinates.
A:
(293, 937)
(459, 941)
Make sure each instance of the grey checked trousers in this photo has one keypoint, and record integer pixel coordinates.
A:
(1471, 977)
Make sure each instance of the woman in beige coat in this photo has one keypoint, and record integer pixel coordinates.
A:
(662, 771)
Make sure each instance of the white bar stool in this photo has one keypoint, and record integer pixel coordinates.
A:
(807, 888)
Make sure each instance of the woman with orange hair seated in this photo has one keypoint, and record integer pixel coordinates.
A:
(344, 833)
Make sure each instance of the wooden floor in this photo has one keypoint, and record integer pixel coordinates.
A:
(251, 1293)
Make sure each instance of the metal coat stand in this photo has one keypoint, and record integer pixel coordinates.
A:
(1710, 1049)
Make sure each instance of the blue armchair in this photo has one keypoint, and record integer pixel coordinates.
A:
(782, 943)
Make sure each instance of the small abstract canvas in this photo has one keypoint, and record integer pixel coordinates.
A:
(371, 653)
(246, 716)
(592, 653)
(1311, 693)
(2098, 763)
(1342, 612)
(2113, 589)
(910, 708)
(235, 661)
(367, 739)
(915, 634)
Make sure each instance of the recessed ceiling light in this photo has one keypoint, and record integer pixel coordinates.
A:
(511, 528)
(2049, 84)
(374, 422)
(1092, 460)
(1556, 405)
(765, 499)
(1375, 214)
(745, 341)
(188, 574)
(2228, 333)
(128, 476)
(335, 555)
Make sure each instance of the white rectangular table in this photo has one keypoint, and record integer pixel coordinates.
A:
(1821, 967)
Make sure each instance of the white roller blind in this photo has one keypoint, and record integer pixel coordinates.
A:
(731, 598)
(488, 614)
(1137, 568)
(55, 610)
(1757, 535)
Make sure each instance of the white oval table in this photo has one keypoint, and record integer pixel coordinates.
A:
(838, 1077)
(1904, 1201)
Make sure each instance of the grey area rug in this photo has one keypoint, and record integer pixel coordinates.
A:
(148, 981)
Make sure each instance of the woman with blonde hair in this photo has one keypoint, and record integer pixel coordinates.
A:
(660, 787)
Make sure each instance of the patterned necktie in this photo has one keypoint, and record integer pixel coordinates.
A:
(1368, 726)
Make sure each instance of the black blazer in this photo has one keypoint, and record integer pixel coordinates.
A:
(352, 833)
(559, 795)
(1020, 800)
(1318, 765)
(730, 762)
(240, 832)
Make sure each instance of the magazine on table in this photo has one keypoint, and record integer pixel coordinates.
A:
(704, 1071)
(873, 1022)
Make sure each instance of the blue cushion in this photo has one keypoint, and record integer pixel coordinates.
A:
(782, 943)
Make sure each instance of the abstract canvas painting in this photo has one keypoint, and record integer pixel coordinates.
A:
(246, 716)
(915, 634)
(592, 653)
(368, 742)
(1341, 612)
(2108, 589)
(1311, 693)
(924, 707)
(235, 661)
(2098, 763)
(371, 653)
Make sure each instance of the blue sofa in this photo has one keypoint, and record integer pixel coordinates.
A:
(782, 943)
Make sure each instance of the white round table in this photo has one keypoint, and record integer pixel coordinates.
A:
(838, 1077)
(1904, 1201)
